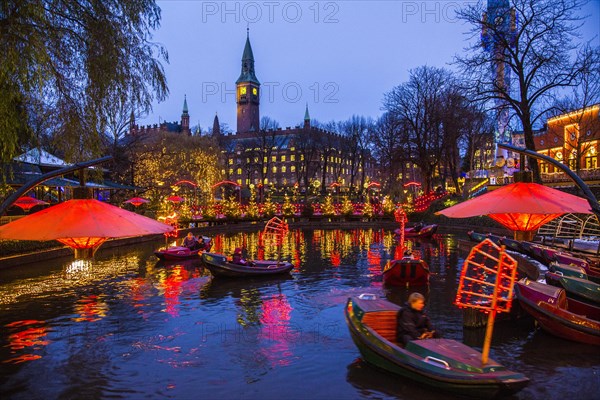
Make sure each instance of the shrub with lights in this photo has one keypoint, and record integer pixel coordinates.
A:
(231, 208)
(328, 208)
(347, 207)
(208, 211)
(269, 208)
(287, 207)
(388, 206)
(367, 210)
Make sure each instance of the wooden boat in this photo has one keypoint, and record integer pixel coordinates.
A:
(512, 244)
(538, 252)
(441, 363)
(559, 316)
(426, 231)
(174, 253)
(476, 236)
(527, 248)
(480, 237)
(218, 265)
(569, 259)
(497, 240)
(567, 270)
(582, 289)
(406, 272)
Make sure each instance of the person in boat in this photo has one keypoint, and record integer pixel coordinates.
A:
(413, 323)
(408, 254)
(237, 257)
(191, 242)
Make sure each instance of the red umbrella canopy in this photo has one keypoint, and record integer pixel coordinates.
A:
(137, 201)
(27, 203)
(175, 199)
(82, 224)
(520, 206)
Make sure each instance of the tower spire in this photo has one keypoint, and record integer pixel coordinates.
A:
(216, 131)
(306, 117)
(248, 74)
(248, 92)
(185, 118)
(185, 106)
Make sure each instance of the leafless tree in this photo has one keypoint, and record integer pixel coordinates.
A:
(420, 103)
(541, 51)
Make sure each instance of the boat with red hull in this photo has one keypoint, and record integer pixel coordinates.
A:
(175, 253)
(444, 364)
(406, 272)
(566, 318)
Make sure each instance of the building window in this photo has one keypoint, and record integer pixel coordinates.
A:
(230, 161)
(293, 168)
(230, 171)
(293, 157)
(273, 158)
(239, 171)
(274, 169)
(591, 162)
(282, 158)
(283, 169)
(301, 157)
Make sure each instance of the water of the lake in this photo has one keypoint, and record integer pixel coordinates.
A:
(126, 326)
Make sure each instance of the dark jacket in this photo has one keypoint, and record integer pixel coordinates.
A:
(412, 324)
(190, 243)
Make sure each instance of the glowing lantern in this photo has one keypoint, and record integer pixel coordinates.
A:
(277, 228)
(137, 201)
(486, 283)
(175, 199)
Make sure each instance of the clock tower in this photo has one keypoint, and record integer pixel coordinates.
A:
(247, 93)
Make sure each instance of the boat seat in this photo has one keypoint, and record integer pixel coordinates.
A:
(383, 322)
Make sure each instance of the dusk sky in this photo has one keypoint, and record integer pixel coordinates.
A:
(340, 57)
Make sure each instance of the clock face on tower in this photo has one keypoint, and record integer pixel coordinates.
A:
(243, 90)
(255, 91)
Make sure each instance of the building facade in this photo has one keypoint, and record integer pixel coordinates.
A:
(182, 126)
(299, 156)
(571, 138)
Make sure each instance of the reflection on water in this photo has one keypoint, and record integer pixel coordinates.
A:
(125, 325)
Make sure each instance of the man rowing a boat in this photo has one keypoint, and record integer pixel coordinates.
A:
(413, 323)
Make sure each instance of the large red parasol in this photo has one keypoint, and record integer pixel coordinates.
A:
(175, 199)
(81, 224)
(137, 201)
(520, 206)
(27, 203)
